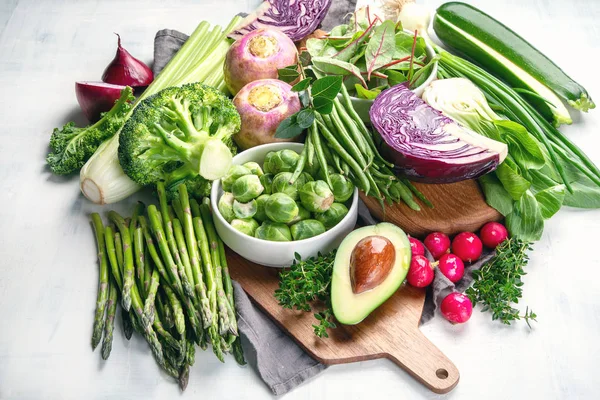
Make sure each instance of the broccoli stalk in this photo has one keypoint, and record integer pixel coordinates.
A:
(179, 134)
(72, 146)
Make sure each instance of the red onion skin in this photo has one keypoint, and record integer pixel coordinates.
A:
(456, 308)
(438, 244)
(467, 246)
(420, 274)
(452, 267)
(492, 234)
(94, 98)
(127, 70)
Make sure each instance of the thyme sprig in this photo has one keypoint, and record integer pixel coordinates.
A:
(306, 285)
(497, 285)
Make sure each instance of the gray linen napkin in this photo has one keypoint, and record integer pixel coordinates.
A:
(279, 361)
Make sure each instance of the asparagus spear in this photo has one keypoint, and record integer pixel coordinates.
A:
(228, 286)
(166, 336)
(222, 303)
(190, 357)
(137, 211)
(177, 206)
(138, 246)
(149, 309)
(182, 249)
(119, 251)
(159, 234)
(164, 310)
(127, 258)
(103, 281)
(148, 271)
(178, 315)
(238, 352)
(184, 377)
(116, 264)
(202, 243)
(192, 247)
(109, 326)
(127, 324)
(171, 276)
(170, 238)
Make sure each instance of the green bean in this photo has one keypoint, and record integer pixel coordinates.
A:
(299, 165)
(320, 152)
(342, 136)
(350, 125)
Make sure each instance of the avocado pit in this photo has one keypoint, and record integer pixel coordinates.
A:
(371, 262)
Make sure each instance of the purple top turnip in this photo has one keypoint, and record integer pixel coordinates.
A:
(258, 55)
(262, 105)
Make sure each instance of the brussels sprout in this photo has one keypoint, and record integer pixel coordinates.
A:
(313, 169)
(281, 208)
(267, 162)
(303, 214)
(246, 188)
(281, 184)
(260, 215)
(330, 170)
(236, 171)
(306, 229)
(254, 168)
(333, 216)
(316, 196)
(267, 181)
(244, 210)
(274, 232)
(281, 161)
(247, 226)
(225, 206)
(303, 179)
(342, 188)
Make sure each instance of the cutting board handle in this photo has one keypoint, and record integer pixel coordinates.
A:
(426, 363)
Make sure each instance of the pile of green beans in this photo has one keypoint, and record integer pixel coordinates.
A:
(343, 141)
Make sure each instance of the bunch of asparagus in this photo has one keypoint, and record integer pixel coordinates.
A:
(170, 272)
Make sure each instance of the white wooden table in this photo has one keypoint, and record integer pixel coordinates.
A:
(48, 267)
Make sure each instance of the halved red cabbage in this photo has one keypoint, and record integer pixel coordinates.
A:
(425, 145)
(296, 18)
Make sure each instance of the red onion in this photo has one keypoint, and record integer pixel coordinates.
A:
(94, 98)
(127, 70)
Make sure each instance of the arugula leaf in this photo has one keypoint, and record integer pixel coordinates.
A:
(337, 67)
(395, 77)
(302, 85)
(526, 221)
(368, 94)
(380, 48)
(551, 200)
(353, 48)
(495, 194)
(288, 74)
(289, 128)
(305, 118)
(327, 87)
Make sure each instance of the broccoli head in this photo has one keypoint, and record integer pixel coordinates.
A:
(72, 146)
(178, 134)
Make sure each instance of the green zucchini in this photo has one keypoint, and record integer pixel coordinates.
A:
(511, 58)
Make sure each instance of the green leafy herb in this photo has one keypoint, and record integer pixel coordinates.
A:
(302, 85)
(333, 66)
(305, 118)
(327, 87)
(288, 128)
(288, 74)
(306, 285)
(498, 285)
(380, 48)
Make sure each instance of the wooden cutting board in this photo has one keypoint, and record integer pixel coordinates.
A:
(390, 332)
(458, 207)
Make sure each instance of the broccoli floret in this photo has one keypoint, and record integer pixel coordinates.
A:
(178, 134)
(72, 146)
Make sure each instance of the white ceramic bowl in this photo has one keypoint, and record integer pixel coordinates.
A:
(362, 106)
(277, 254)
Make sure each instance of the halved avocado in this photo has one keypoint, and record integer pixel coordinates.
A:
(370, 265)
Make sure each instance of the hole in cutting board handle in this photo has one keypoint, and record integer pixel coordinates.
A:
(441, 373)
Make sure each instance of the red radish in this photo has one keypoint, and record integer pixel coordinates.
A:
(416, 247)
(95, 98)
(467, 246)
(492, 234)
(127, 70)
(438, 244)
(456, 308)
(420, 273)
(452, 267)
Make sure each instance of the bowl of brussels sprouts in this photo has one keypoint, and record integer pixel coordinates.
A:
(272, 204)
